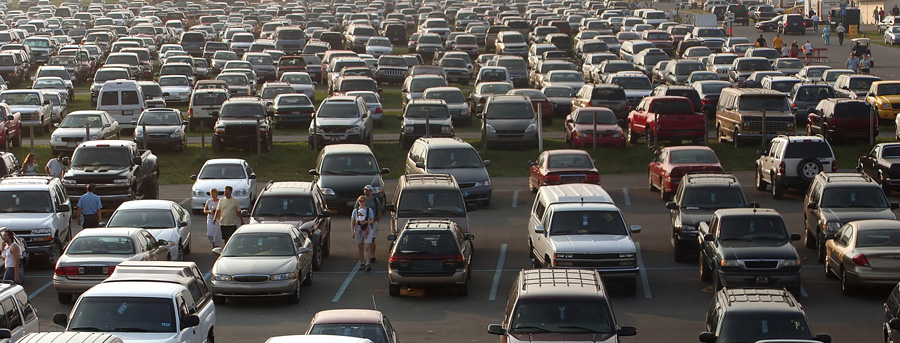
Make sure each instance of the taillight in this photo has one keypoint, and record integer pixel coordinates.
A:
(378, 110)
(592, 178)
(706, 100)
(834, 165)
(398, 259)
(551, 179)
(456, 261)
(781, 168)
(190, 112)
(110, 270)
(786, 24)
(861, 260)
(66, 271)
(676, 173)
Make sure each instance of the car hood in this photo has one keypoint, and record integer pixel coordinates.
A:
(207, 184)
(29, 221)
(463, 175)
(255, 265)
(24, 108)
(768, 250)
(349, 183)
(339, 121)
(593, 243)
(74, 131)
(510, 124)
(846, 215)
(889, 98)
(145, 337)
(170, 235)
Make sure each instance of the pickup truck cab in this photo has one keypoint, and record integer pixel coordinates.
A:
(121, 171)
(666, 117)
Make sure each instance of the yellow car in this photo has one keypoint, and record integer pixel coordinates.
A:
(885, 98)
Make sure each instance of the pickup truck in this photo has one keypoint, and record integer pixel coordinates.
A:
(749, 247)
(120, 170)
(666, 117)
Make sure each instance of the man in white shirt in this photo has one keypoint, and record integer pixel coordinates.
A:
(815, 20)
(55, 167)
(840, 31)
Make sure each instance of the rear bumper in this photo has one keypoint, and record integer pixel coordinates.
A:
(762, 278)
(458, 278)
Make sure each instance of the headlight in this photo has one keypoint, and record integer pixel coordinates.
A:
(688, 227)
(55, 139)
(833, 226)
(283, 276)
(746, 125)
(583, 134)
(328, 191)
(199, 192)
(791, 263)
(489, 128)
(730, 263)
(483, 183)
(617, 135)
(446, 129)
(176, 134)
(221, 277)
(241, 192)
(121, 181)
(377, 189)
(408, 129)
(885, 106)
(790, 124)
(563, 256)
(355, 129)
(41, 231)
(531, 128)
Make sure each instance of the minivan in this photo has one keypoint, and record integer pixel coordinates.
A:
(739, 114)
(428, 196)
(193, 42)
(123, 100)
(455, 157)
(289, 39)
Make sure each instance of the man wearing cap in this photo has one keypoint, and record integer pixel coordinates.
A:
(376, 206)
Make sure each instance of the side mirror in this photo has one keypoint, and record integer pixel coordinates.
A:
(194, 177)
(635, 229)
(829, 236)
(826, 338)
(400, 117)
(895, 205)
(487, 163)
(63, 208)
(707, 337)
(531, 162)
(795, 236)
(215, 114)
(136, 160)
(10, 117)
(494, 329)
(134, 122)
(709, 238)
(252, 176)
(302, 250)
(183, 223)
(325, 214)
(162, 242)
(626, 331)
(313, 172)
(385, 170)
(61, 319)
(55, 124)
(471, 207)
(217, 251)
(671, 205)
(893, 323)
(470, 237)
(5, 334)
(538, 229)
(166, 94)
(420, 165)
(190, 321)
(812, 205)
(392, 237)
(390, 207)
(107, 125)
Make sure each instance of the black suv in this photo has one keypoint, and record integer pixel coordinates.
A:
(342, 170)
(792, 23)
(741, 13)
(241, 121)
(752, 315)
(296, 202)
(835, 199)
(697, 197)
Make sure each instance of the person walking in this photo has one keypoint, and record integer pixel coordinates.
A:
(213, 231)
(761, 41)
(795, 50)
(55, 167)
(875, 14)
(361, 231)
(853, 63)
(12, 255)
(228, 214)
(777, 43)
(881, 14)
(865, 64)
(786, 51)
(808, 51)
(89, 206)
(378, 208)
(895, 11)
(826, 35)
(815, 20)
(29, 165)
(840, 32)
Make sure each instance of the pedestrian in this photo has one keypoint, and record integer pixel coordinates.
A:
(761, 42)
(668, 15)
(895, 11)
(815, 20)
(675, 14)
(881, 14)
(687, 20)
(378, 208)
(840, 31)
(228, 214)
(89, 206)
(12, 255)
(875, 14)
(852, 63)
(55, 167)
(795, 50)
(786, 51)
(865, 64)
(361, 231)
(777, 43)
(213, 231)
(826, 35)
(29, 165)
(808, 51)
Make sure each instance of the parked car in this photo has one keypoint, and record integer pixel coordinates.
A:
(556, 167)
(670, 164)
(588, 124)
(164, 219)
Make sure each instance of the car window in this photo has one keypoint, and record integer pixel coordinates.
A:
(12, 313)
(25, 305)
(109, 98)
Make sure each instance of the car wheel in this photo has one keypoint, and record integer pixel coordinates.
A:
(777, 188)
(53, 256)
(18, 141)
(846, 287)
(761, 184)
(219, 300)
(705, 271)
(678, 250)
(809, 168)
(217, 146)
(64, 298)
(820, 249)
(326, 246)
(632, 137)
(309, 278)
(294, 297)
(317, 257)
(735, 139)
(663, 195)
(394, 290)
(809, 240)
(187, 247)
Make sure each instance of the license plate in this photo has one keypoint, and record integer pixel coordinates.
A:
(71, 144)
(762, 279)
(466, 193)
(334, 139)
(127, 113)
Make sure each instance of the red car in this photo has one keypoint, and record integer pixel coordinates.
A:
(666, 118)
(838, 118)
(580, 129)
(660, 38)
(556, 167)
(670, 164)
(538, 100)
(10, 127)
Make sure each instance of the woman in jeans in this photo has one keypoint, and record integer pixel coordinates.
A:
(12, 255)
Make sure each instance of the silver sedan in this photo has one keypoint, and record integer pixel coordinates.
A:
(865, 252)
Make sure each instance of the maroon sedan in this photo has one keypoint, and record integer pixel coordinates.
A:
(556, 167)
(588, 123)
(671, 163)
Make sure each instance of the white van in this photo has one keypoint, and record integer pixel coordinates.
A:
(123, 100)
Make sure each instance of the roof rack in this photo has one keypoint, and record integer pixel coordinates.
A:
(757, 295)
(558, 277)
(422, 178)
(710, 175)
(853, 177)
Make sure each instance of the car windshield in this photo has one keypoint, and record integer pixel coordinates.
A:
(20, 99)
(596, 222)
(815, 73)
(272, 92)
(293, 100)
(431, 203)
(421, 84)
(105, 245)
(496, 88)
(602, 117)
(350, 164)
(563, 92)
(833, 75)
(752, 227)
(379, 42)
(710, 33)
(373, 332)
(510, 110)
(260, 60)
(142, 218)
(432, 111)
(571, 315)
(101, 156)
(338, 109)
(173, 81)
(258, 244)
(854, 197)
(80, 120)
(160, 118)
(888, 89)
(784, 85)
(454, 158)
(724, 59)
(711, 198)
(225, 55)
(768, 103)
(123, 314)
(301, 79)
(672, 107)
(752, 327)
(453, 96)
(688, 68)
(890, 152)
(48, 83)
(222, 171)
(233, 80)
(692, 156)
(816, 149)
(284, 206)
(25, 202)
(236, 110)
(453, 63)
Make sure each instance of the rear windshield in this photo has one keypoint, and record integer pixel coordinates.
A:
(290, 34)
(193, 37)
(808, 149)
(609, 94)
(209, 98)
(672, 107)
(693, 156)
(427, 243)
(856, 109)
(517, 110)
(705, 198)
(602, 117)
(784, 86)
(420, 111)
(768, 103)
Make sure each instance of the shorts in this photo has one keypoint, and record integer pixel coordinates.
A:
(368, 238)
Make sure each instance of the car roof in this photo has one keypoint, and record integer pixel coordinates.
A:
(347, 149)
(266, 228)
(316, 339)
(141, 289)
(146, 204)
(347, 316)
(107, 231)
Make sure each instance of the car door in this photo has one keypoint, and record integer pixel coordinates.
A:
(251, 182)
(766, 161)
(656, 167)
(709, 248)
(304, 259)
(542, 244)
(185, 334)
(535, 170)
(182, 217)
(869, 163)
(13, 319)
(839, 247)
(810, 216)
(26, 309)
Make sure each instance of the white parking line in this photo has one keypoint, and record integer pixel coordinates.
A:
(39, 290)
(340, 292)
(500, 261)
(627, 197)
(644, 280)
(515, 199)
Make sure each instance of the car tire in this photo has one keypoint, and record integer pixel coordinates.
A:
(294, 297)
(809, 241)
(531, 187)
(187, 247)
(309, 278)
(777, 188)
(705, 271)
(317, 257)
(632, 137)
(152, 192)
(326, 251)
(820, 249)
(55, 253)
(219, 300)
(846, 287)
(808, 168)
(64, 298)
(761, 184)
(678, 250)
(394, 290)
(735, 140)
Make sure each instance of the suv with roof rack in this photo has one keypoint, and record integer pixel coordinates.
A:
(697, 197)
(241, 121)
(561, 212)
(793, 161)
(755, 315)
(426, 196)
(835, 199)
(559, 304)
(47, 228)
(296, 202)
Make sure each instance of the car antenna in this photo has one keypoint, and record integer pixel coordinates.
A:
(374, 305)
